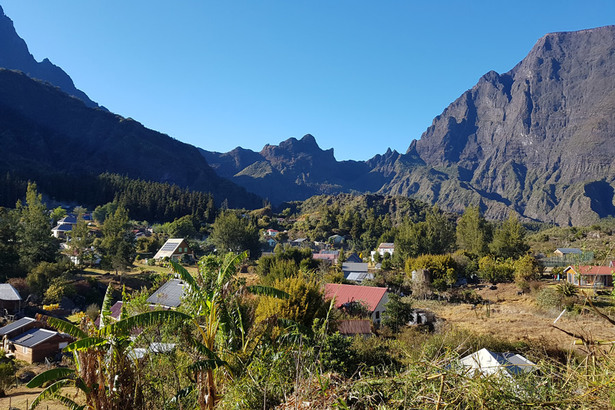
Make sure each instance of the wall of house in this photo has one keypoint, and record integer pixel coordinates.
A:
(39, 352)
(379, 310)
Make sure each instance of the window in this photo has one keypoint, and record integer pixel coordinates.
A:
(24, 350)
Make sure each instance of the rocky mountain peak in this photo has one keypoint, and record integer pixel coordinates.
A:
(14, 55)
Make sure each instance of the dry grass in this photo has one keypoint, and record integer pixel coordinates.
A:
(517, 318)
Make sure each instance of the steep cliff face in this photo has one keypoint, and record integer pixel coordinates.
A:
(533, 139)
(14, 55)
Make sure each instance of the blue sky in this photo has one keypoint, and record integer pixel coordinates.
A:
(361, 76)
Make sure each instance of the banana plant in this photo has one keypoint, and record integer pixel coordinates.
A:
(106, 369)
(212, 299)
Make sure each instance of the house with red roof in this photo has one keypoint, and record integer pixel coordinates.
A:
(595, 276)
(374, 298)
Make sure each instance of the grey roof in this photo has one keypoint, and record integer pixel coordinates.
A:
(8, 292)
(33, 337)
(570, 250)
(169, 294)
(68, 219)
(16, 325)
(354, 267)
(63, 227)
(359, 276)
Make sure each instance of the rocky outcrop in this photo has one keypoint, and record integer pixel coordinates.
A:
(14, 55)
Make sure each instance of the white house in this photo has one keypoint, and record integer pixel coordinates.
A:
(384, 248)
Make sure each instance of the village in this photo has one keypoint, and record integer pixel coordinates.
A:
(500, 301)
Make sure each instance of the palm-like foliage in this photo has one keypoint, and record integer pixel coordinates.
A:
(213, 300)
(106, 371)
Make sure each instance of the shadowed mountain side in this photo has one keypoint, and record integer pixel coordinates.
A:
(293, 170)
(14, 55)
(43, 130)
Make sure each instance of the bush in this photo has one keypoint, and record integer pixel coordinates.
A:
(7, 374)
(337, 355)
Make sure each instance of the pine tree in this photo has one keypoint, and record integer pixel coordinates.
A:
(36, 244)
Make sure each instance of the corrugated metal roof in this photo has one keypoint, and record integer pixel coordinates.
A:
(354, 267)
(592, 270)
(33, 337)
(16, 325)
(8, 292)
(169, 294)
(348, 293)
(355, 327)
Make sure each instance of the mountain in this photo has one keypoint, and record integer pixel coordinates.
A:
(293, 170)
(45, 132)
(15, 56)
(536, 141)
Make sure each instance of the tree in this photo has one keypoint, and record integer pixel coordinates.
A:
(398, 312)
(495, 271)
(473, 232)
(509, 239)
(36, 244)
(527, 269)
(118, 243)
(9, 257)
(80, 240)
(57, 214)
(214, 303)
(105, 371)
(234, 234)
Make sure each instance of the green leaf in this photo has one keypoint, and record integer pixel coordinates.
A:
(185, 275)
(86, 343)
(69, 403)
(267, 291)
(155, 317)
(206, 364)
(49, 375)
(66, 327)
(51, 391)
(105, 311)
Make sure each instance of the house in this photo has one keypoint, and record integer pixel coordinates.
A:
(271, 243)
(353, 257)
(169, 295)
(61, 230)
(271, 232)
(37, 344)
(584, 275)
(175, 249)
(25, 339)
(356, 272)
(374, 298)
(18, 327)
(353, 327)
(10, 300)
(384, 248)
(299, 242)
(564, 252)
(486, 362)
(330, 256)
(116, 312)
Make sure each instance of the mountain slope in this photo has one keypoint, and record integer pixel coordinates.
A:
(14, 55)
(293, 170)
(536, 140)
(44, 131)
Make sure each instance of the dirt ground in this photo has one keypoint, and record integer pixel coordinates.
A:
(21, 397)
(517, 318)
